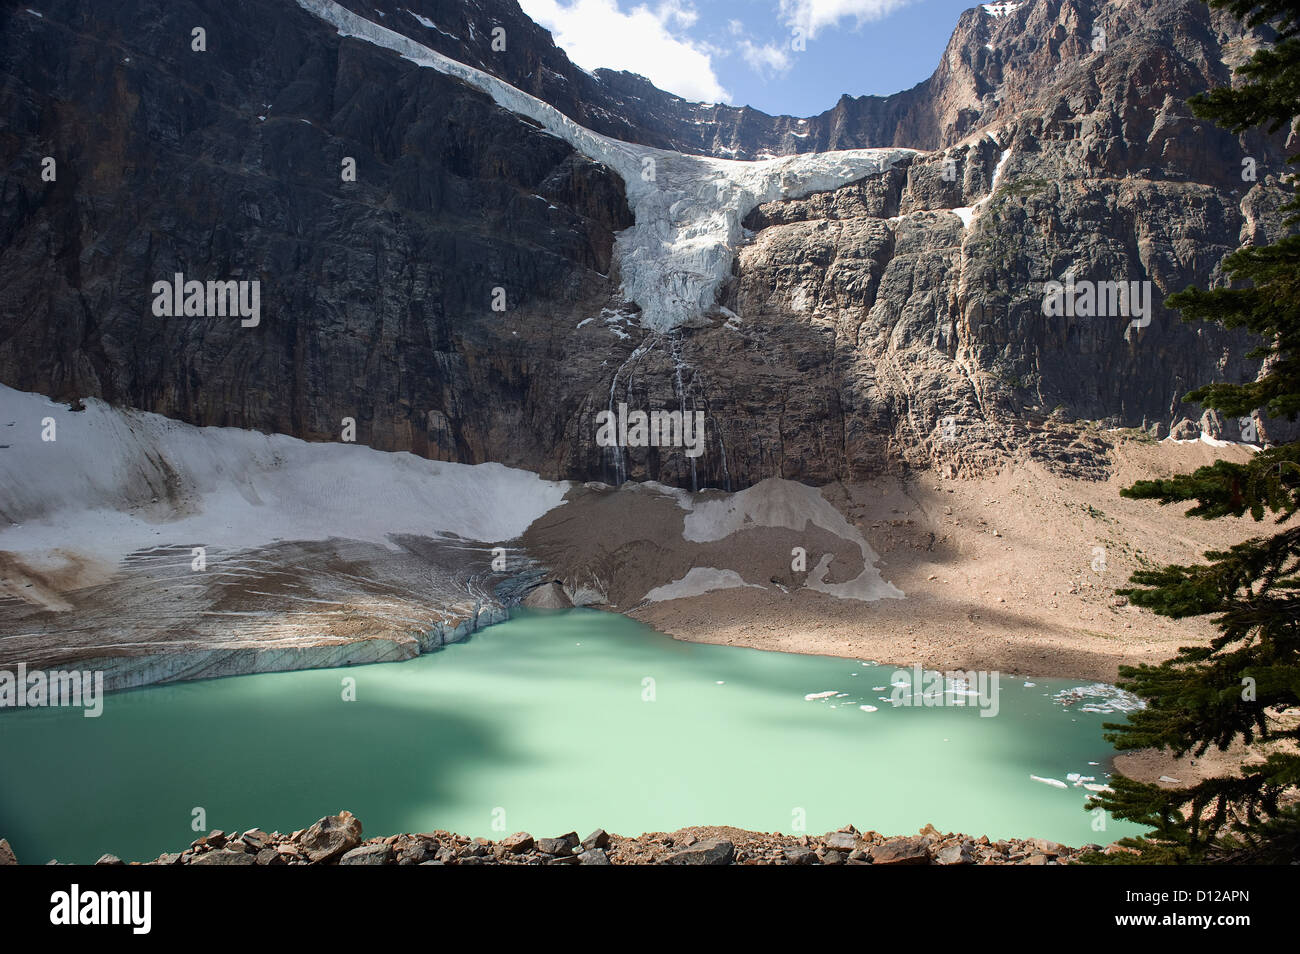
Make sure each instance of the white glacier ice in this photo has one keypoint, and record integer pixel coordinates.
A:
(114, 481)
(687, 209)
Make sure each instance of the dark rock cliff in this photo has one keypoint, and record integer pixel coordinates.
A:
(867, 329)
(376, 294)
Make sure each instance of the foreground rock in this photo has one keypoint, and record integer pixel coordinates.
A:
(331, 836)
(336, 839)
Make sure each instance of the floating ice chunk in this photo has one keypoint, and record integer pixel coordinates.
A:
(1100, 697)
(820, 695)
(1054, 782)
(868, 708)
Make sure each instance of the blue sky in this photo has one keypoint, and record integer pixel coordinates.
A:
(748, 51)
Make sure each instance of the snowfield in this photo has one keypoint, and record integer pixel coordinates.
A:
(115, 481)
(688, 209)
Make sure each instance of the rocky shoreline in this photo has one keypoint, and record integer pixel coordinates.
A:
(337, 840)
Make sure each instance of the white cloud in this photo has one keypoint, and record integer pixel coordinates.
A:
(645, 40)
(764, 58)
(812, 16)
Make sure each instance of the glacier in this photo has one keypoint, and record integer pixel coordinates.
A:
(687, 209)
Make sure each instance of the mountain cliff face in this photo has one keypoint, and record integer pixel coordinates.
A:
(893, 322)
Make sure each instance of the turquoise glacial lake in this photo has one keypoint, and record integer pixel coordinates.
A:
(547, 723)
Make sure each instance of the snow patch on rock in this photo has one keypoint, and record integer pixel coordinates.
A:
(784, 503)
(699, 580)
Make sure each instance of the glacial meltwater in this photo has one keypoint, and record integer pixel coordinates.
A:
(549, 723)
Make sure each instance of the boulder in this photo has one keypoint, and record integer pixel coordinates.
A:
(418, 852)
(368, 855)
(953, 855)
(593, 856)
(7, 856)
(718, 852)
(331, 837)
(841, 841)
(597, 839)
(519, 842)
(901, 851)
(223, 857)
(563, 845)
(1049, 848)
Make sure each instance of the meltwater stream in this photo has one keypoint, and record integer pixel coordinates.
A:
(546, 723)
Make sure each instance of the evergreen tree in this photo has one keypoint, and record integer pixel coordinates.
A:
(1236, 688)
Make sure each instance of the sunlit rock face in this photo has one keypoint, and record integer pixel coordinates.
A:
(526, 245)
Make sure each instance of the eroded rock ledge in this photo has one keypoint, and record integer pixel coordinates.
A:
(337, 840)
